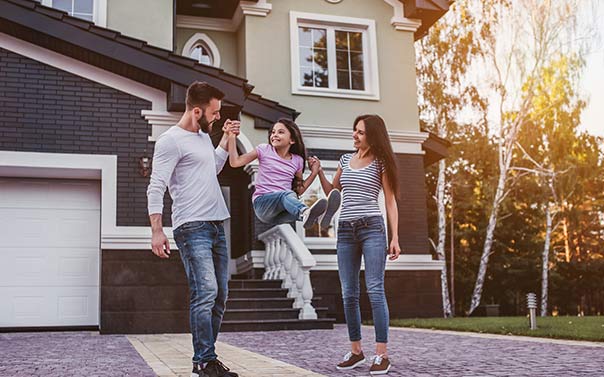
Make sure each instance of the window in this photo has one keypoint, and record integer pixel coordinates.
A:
(203, 49)
(201, 54)
(90, 10)
(333, 56)
(310, 196)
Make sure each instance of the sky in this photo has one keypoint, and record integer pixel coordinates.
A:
(592, 119)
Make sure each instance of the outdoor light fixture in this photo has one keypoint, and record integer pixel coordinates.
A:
(144, 165)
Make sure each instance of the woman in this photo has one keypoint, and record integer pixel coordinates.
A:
(361, 232)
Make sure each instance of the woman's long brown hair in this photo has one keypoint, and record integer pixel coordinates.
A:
(379, 145)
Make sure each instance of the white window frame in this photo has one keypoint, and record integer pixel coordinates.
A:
(332, 23)
(99, 11)
(207, 42)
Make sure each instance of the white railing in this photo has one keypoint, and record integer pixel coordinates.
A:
(287, 258)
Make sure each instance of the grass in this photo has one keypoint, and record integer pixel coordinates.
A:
(575, 328)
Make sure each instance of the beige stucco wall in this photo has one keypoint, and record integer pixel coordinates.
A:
(149, 20)
(226, 43)
(268, 65)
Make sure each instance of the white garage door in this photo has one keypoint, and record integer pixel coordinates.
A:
(49, 252)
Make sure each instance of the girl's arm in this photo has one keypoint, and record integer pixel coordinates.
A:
(235, 160)
(392, 214)
(305, 183)
(328, 186)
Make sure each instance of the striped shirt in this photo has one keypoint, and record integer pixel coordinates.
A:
(360, 189)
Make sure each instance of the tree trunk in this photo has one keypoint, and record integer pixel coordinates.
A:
(505, 158)
(566, 239)
(545, 261)
(442, 234)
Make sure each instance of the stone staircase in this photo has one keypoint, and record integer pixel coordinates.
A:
(262, 305)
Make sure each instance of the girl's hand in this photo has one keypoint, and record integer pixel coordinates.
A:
(394, 251)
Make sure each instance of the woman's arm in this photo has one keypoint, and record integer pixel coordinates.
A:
(325, 184)
(392, 214)
(235, 160)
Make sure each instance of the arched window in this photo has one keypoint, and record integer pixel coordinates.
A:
(203, 49)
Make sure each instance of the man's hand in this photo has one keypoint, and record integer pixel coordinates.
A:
(160, 244)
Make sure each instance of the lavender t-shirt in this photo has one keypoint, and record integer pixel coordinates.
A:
(274, 172)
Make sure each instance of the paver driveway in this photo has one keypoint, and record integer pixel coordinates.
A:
(428, 353)
(68, 354)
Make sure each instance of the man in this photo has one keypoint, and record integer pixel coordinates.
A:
(186, 162)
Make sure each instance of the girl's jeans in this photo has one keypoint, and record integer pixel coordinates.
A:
(278, 207)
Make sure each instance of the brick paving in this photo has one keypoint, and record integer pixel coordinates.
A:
(427, 353)
(68, 354)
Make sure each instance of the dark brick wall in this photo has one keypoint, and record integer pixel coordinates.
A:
(410, 294)
(44, 109)
(412, 206)
(141, 293)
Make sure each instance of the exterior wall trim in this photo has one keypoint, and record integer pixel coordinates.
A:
(399, 21)
(320, 137)
(405, 262)
(246, 8)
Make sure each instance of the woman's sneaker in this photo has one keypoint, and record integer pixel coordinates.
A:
(312, 214)
(351, 361)
(380, 365)
(333, 204)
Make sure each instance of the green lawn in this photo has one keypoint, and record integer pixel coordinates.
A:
(576, 328)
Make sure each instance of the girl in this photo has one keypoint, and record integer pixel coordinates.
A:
(279, 181)
(361, 176)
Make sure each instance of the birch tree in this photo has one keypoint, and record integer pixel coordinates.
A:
(529, 34)
(443, 58)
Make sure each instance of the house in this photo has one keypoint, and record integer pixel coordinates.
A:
(86, 87)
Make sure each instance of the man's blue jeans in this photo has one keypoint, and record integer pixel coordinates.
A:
(278, 207)
(364, 237)
(203, 250)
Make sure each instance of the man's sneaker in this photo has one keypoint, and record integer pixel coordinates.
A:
(333, 204)
(380, 365)
(215, 368)
(311, 215)
(351, 361)
(197, 371)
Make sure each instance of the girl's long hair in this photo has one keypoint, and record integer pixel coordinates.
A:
(296, 148)
(380, 147)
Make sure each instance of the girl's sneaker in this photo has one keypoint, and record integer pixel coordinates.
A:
(333, 204)
(380, 365)
(351, 361)
(312, 214)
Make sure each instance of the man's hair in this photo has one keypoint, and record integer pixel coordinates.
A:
(199, 94)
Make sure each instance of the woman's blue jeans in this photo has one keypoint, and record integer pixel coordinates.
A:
(203, 250)
(278, 207)
(364, 237)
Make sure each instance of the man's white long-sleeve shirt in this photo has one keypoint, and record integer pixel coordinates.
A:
(187, 164)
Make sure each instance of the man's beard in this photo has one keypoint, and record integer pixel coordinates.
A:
(204, 125)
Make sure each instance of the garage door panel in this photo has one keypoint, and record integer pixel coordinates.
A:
(50, 227)
(49, 267)
(49, 275)
(33, 193)
(55, 306)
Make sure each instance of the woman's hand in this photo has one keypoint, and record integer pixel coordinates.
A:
(314, 164)
(395, 250)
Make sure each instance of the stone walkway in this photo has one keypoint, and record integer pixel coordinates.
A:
(417, 353)
(170, 356)
(68, 354)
